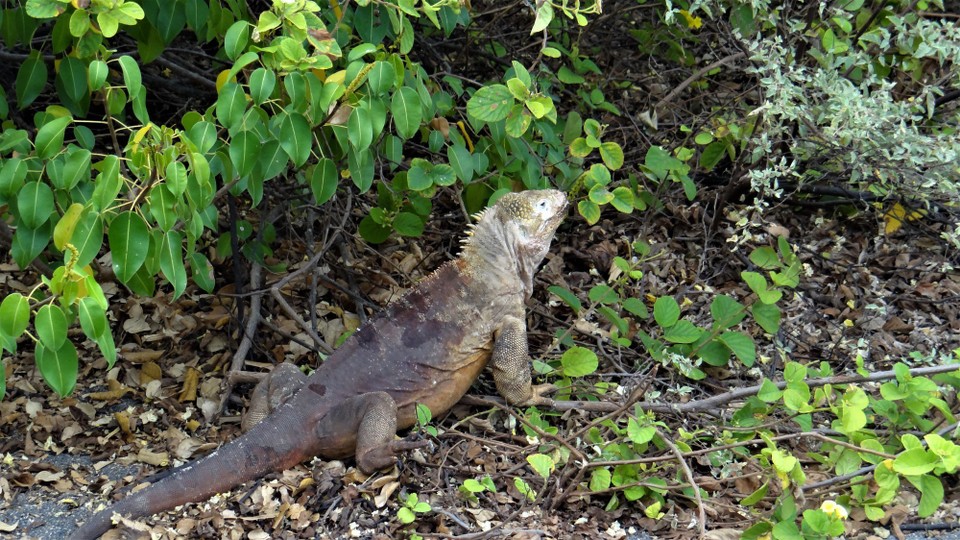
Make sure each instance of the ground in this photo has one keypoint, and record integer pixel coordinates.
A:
(882, 296)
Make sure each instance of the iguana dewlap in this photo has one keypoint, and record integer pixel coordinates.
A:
(427, 347)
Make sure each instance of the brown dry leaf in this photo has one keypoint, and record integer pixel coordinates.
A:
(341, 115)
(723, 534)
(115, 391)
(150, 372)
(141, 356)
(442, 125)
(159, 459)
(123, 422)
(897, 326)
(49, 476)
(23, 479)
(190, 381)
(380, 499)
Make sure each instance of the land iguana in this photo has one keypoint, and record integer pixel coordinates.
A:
(427, 347)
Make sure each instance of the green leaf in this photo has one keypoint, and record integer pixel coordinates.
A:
(31, 79)
(244, 149)
(660, 162)
(202, 271)
(97, 73)
(712, 154)
(636, 307)
(769, 393)
(742, 346)
(93, 318)
(361, 166)
(568, 297)
(568, 76)
(639, 434)
(131, 75)
(544, 16)
(381, 77)
(29, 243)
(58, 367)
(589, 210)
(666, 311)
(73, 78)
(51, 325)
(518, 121)
(579, 148)
(35, 204)
(603, 294)
(171, 261)
(45, 9)
(682, 332)
(373, 232)
(612, 155)
(175, 178)
(756, 496)
(931, 494)
(541, 464)
(296, 138)
(915, 461)
(714, 353)
(726, 311)
(262, 83)
(108, 23)
(203, 134)
(231, 104)
(408, 224)
(765, 257)
(517, 89)
(600, 479)
(622, 199)
(407, 112)
(360, 129)
(490, 103)
(49, 141)
(236, 38)
(767, 316)
(579, 362)
(163, 207)
(129, 242)
(324, 179)
(14, 316)
(462, 162)
(758, 284)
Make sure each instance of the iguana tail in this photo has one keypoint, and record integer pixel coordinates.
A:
(278, 443)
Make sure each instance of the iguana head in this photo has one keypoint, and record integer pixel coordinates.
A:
(511, 238)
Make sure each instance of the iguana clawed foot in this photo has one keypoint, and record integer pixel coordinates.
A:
(538, 396)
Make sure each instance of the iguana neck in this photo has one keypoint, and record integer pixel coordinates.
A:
(495, 254)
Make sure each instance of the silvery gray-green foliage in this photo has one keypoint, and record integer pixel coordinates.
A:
(849, 97)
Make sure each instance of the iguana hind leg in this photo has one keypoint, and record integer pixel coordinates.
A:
(510, 362)
(371, 421)
(275, 389)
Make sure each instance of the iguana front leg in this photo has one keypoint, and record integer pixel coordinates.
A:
(276, 388)
(510, 362)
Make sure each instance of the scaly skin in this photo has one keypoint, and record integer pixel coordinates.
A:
(428, 347)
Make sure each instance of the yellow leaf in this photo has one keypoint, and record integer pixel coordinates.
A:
(894, 218)
(223, 78)
(64, 229)
(692, 22)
